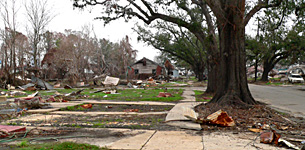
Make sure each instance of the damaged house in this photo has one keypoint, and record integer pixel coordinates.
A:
(145, 68)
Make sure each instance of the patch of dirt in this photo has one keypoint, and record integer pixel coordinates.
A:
(39, 135)
(120, 108)
(153, 122)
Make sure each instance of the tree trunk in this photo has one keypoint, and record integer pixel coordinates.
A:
(232, 86)
(267, 68)
(212, 78)
(199, 75)
(199, 71)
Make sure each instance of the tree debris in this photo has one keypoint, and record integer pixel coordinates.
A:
(290, 145)
(68, 87)
(221, 118)
(30, 102)
(86, 106)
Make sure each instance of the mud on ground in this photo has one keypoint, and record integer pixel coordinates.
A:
(120, 108)
(153, 122)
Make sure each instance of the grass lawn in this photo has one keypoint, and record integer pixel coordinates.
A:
(174, 84)
(200, 98)
(276, 83)
(123, 95)
(283, 83)
(139, 95)
(24, 145)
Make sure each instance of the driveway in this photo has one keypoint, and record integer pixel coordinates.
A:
(287, 98)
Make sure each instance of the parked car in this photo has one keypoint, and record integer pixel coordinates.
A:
(295, 78)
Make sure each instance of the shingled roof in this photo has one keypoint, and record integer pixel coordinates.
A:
(143, 60)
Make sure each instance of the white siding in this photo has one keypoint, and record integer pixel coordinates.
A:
(145, 69)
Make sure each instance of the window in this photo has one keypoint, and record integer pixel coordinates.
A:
(154, 71)
(136, 71)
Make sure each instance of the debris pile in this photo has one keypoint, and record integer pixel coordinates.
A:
(218, 118)
(272, 126)
(16, 133)
(6, 130)
(12, 93)
(150, 82)
(31, 102)
(10, 110)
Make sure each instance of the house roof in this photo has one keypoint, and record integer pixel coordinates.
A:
(145, 59)
(169, 65)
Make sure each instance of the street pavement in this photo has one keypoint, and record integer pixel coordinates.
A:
(286, 98)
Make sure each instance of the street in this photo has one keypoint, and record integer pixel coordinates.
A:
(287, 98)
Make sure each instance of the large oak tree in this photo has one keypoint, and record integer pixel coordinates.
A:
(231, 19)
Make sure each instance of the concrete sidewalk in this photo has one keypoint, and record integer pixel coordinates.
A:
(127, 139)
(161, 140)
(176, 116)
(184, 139)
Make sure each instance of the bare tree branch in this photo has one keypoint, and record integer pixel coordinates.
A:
(261, 4)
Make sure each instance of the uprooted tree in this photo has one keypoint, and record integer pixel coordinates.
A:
(231, 18)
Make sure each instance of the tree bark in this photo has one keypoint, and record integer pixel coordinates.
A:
(212, 78)
(232, 86)
(199, 71)
(267, 68)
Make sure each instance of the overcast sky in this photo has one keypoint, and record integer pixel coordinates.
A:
(67, 18)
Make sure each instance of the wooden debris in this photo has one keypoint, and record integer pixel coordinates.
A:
(255, 130)
(270, 137)
(290, 145)
(283, 127)
(67, 87)
(111, 81)
(30, 102)
(34, 94)
(221, 118)
(267, 137)
(6, 130)
(98, 91)
(86, 106)
(57, 85)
